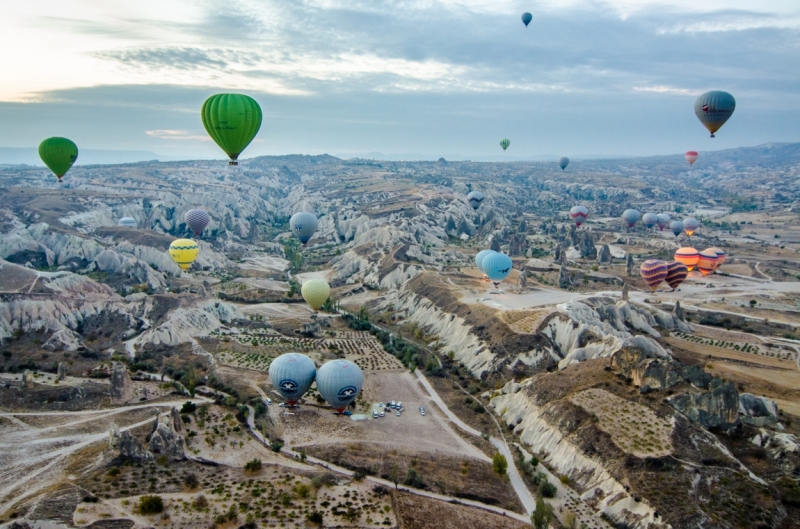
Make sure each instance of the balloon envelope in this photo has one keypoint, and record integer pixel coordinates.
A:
(677, 227)
(497, 266)
(128, 222)
(504, 144)
(691, 156)
(58, 154)
(339, 382)
(662, 220)
(526, 18)
(481, 256)
(713, 109)
(688, 256)
(631, 217)
(676, 273)
(303, 225)
(690, 225)
(650, 219)
(707, 261)
(197, 220)
(292, 374)
(563, 162)
(722, 256)
(579, 214)
(475, 199)
(184, 252)
(232, 121)
(316, 292)
(653, 272)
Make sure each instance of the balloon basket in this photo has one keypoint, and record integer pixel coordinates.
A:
(233, 162)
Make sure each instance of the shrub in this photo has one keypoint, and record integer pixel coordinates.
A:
(191, 481)
(534, 461)
(276, 446)
(188, 407)
(499, 463)
(314, 517)
(254, 465)
(414, 479)
(151, 504)
(565, 479)
(113, 472)
(200, 502)
(543, 515)
(547, 489)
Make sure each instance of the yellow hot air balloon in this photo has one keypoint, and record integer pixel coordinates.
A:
(183, 252)
(316, 292)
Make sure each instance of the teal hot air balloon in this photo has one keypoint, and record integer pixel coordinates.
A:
(232, 121)
(481, 256)
(563, 162)
(504, 143)
(497, 266)
(713, 109)
(526, 18)
(303, 225)
(292, 374)
(650, 220)
(631, 217)
(339, 382)
(677, 227)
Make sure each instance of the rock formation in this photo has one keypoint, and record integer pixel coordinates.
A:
(27, 379)
(176, 421)
(495, 245)
(564, 279)
(677, 311)
(62, 372)
(517, 245)
(758, 411)
(625, 290)
(586, 246)
(629, 264)
(132, 448)
(604, 256)
(718, 408)
(164, 440)
(574, 238)
(121, 385)
(522, 283)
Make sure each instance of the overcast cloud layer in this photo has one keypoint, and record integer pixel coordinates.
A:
(416, 76)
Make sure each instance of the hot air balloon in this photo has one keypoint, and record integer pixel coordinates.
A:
(315, 292)
(128, 222)
(475, 199)
(526, 18)
(339, 382)
(303, 225)
(184, 252)
(497, 266)
(650, 220)
(663, 220)
(563, 162)
(690, 225)
(631, 217)
(721, 255)
(688, 256)
(579, 214)
(58, 154)
(676, 273)
(713, 109)
(677, 227)
(232, 121)
(504, 143)
(691, 156)
(292, 374)
(480, 257)
(707, 261)
(653, 272)
(197, 220)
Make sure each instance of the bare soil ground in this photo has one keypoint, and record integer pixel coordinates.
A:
(424, 513)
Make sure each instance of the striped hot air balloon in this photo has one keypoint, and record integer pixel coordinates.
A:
(721, 255)
(707, 261)
(653, 272)
(184, 252)
(688, 256)
(504, 143)
(691, 157)
(579, 214)
(676, 273)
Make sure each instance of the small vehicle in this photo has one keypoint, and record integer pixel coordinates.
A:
(282, 405)
(421, 408)
(423, 413)
(399, 404)
(380, 404)
(269, 400)
(398, 414)
(383, 414)
(374, 414)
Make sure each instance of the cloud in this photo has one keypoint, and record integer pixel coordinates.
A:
(176, 135)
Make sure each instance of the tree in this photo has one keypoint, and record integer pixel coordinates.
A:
(254, 465)
(151, 504)
(547, 489)
(753, 303)
(191, 481)
(534, 461)
(499, 463)
(414, 479)
(395, 475)
(570, 520)
(188, 407)
(543, 515)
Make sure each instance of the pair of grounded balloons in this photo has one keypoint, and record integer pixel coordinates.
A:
(338, 381)
(494, 265)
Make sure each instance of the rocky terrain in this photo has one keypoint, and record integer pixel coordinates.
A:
(648, 409)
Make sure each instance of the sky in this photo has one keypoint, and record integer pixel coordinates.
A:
(415, 77)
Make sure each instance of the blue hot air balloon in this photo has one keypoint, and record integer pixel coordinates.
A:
(292, 375)
(481, 256)
(339, 382)
(526, 18)
(303, 225)
(497, 266)
(650, 220)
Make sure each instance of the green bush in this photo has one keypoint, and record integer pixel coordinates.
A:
(547, 489)
(499, 463)
(276, 446)
(188, 407)
(151, 504)
(254, 465)
(314, 517)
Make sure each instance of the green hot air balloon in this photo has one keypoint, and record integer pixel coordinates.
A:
(232, 120)
(504, 143)
(58, 154)
(713, 109)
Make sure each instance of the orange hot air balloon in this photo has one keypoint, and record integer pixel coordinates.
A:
(691, 156)
(707, 261)
(687, 256)
(676, 273)
(721, 255)
(653, 272)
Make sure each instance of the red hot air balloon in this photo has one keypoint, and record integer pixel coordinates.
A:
(676, 273)
(691, 156)
(653, 272)
(579, 214)
(707, 262)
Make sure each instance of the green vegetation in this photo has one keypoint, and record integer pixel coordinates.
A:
(499, 463)
(543, 515)
(254, 465)
(151, 504)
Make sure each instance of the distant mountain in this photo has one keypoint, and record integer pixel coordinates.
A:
(30, 156)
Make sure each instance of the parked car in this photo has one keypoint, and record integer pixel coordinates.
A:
(269, 400)
(398, 414)
(374, 414)
(383, 414)
(423, 413)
